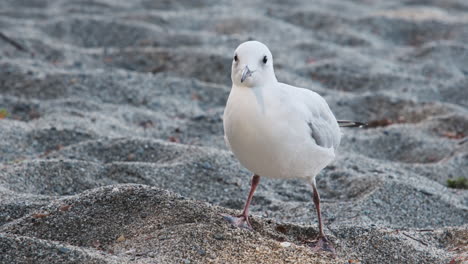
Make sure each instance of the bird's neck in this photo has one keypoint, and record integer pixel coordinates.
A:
(268, 84)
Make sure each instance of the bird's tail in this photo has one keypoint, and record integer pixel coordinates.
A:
(346, 123)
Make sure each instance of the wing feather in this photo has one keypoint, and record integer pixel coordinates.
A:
(324, 128)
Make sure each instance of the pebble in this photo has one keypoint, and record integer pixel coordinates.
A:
(285, 244)
(64, 250)
(218, 236)
(207, 166)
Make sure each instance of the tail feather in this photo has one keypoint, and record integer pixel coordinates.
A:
(346, 123)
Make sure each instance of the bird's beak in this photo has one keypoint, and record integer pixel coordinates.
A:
(246, 73)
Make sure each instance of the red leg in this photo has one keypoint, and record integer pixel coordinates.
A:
(322, 243)
(316, 199)
(242, 220)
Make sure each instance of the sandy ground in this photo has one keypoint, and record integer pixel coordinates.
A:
(112, 150)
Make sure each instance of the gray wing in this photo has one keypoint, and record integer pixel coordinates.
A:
(314, 110)
(324, 134)
(324, 128)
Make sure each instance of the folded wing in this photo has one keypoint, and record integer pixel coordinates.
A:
(324, 129)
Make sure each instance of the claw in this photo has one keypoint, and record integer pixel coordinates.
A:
(322, 244)
(240, 221)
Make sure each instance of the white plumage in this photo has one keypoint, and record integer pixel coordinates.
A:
(277, 130)
(274, 129)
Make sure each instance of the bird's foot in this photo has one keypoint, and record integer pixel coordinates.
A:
(322, 244)
(241, 221)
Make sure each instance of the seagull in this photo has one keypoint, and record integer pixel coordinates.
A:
(277, 130)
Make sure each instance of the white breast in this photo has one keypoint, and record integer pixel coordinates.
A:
(268, 138)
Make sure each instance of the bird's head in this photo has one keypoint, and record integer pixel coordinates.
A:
(252, 65)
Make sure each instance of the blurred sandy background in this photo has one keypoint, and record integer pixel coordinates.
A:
(112, 146)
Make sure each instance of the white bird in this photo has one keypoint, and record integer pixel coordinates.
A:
(277, 130)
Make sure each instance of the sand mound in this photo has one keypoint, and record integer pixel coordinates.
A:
(135, 223)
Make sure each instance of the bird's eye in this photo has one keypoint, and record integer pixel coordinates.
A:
(265, 59)
(235, 58)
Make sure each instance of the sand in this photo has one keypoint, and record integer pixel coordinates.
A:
(112, 147)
